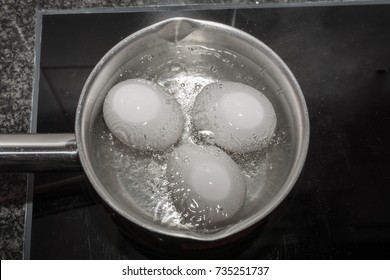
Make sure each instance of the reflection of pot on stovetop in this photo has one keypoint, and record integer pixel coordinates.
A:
(183, 56)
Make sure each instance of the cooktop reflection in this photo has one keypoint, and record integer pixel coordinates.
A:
(338, 209)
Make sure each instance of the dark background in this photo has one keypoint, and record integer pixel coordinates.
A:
(340, 206)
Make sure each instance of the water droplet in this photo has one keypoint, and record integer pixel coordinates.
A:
(213, 69)
(262, 72)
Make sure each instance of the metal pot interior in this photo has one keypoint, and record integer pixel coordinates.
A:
(183, 55)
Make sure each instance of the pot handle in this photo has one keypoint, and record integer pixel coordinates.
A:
(38, 152)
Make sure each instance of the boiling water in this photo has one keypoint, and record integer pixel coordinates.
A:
(184, 71)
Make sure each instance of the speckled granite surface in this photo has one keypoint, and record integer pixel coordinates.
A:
(17, 30)
(17, 23)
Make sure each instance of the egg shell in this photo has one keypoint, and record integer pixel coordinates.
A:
(142, 115)
(241, 117)
(206, 184)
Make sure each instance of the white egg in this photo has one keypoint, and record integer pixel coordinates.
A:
(142, 115)
(241, 118)
(207, 186)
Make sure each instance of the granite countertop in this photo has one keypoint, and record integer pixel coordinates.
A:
(17, 39)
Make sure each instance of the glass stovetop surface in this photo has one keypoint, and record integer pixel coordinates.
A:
(339, 207)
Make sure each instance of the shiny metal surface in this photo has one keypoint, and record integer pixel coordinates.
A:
(161, 41)
(38, 152)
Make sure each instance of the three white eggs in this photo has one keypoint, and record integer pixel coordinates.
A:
(206, 185)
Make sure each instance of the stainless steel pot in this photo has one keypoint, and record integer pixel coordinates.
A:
(174, 52)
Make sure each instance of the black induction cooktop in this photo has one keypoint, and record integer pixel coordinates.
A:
(339, 207)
